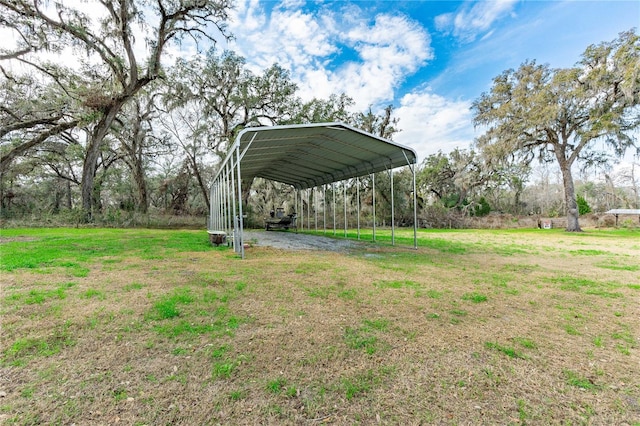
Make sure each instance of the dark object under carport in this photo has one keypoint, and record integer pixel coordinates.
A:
(278, 220)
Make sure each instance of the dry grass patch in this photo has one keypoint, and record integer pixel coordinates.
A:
(470, 329)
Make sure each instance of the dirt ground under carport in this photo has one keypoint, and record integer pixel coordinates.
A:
(294, 241)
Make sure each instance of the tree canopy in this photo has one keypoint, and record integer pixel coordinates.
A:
(110, 70)
(582, 114)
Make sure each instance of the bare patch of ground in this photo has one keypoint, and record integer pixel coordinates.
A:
(288, 240)
(16, 239)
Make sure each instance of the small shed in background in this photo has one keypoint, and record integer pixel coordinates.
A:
(623, 212)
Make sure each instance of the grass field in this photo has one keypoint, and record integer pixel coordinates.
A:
(150, 327)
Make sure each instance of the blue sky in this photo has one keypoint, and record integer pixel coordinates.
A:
(430, 59)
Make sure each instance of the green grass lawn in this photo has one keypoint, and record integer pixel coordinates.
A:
(146, 327)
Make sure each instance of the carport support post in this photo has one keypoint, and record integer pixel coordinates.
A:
(333, 189)
(415, 210)
(211, 209)
(315, 204)
(219, 205)
(215, 217)
(373, 188)
(296, 208)
(300, 209)
(233, 206)
(309, 203)
(223, 203)
(324, 207)
(214, 210)
(358, 204)
(344, 196)
(224, 199)
(393, 223)
(216, 202)
(239, 203)
(229, 192)
(216, 205)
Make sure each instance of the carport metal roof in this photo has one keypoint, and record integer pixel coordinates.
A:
(310, 155)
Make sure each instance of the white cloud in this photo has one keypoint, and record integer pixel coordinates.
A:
(387, 49)
(474, 18)
(248, 14)
(392, 41)
(290, 37)
(432, 123)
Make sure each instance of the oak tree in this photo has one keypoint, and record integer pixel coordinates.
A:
(118, 53)
(586, 114)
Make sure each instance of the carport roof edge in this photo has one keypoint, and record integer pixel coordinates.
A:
(309, 155)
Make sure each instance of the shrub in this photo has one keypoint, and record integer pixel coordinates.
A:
(482, 208)
(583, 206)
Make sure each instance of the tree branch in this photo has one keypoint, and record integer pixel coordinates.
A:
(28, 124)
(6, 159)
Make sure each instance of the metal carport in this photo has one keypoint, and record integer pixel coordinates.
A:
(304, 156)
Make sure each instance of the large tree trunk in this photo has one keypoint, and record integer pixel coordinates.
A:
(69, 200)
(142, 202)
(91, 158)
(135, 153)
(88, 178)
(570, 198)
(201, 185)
